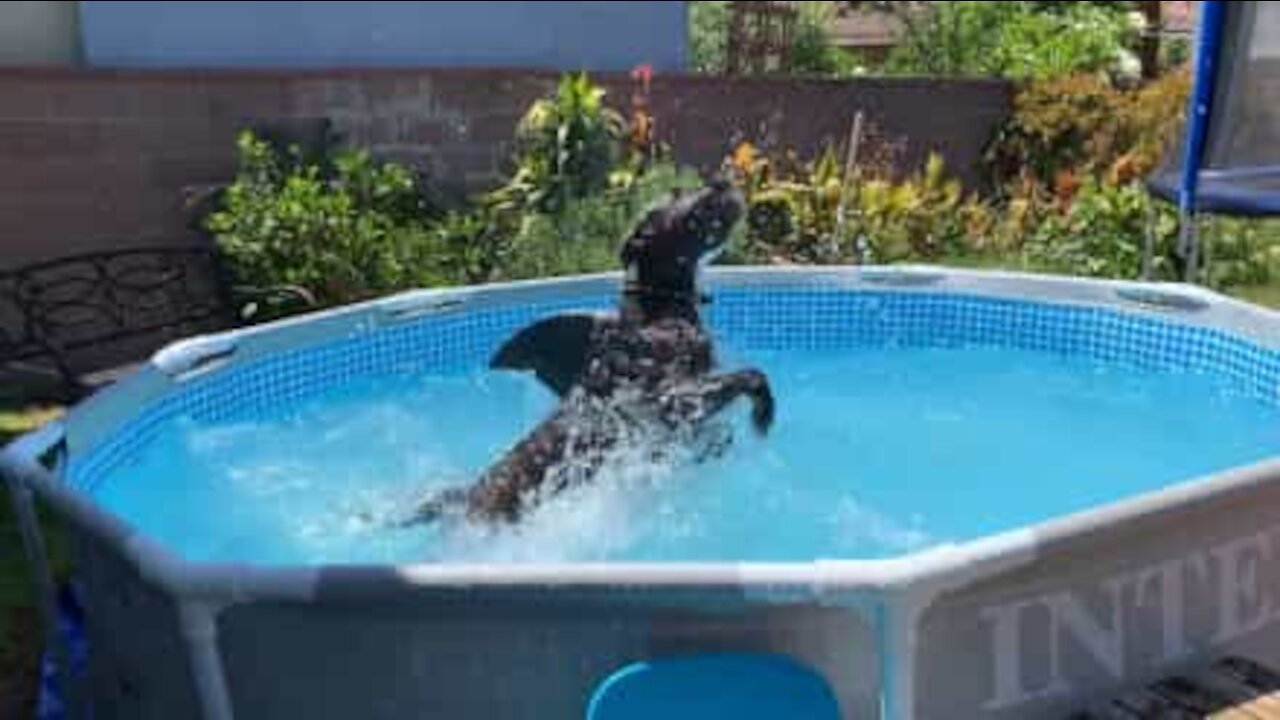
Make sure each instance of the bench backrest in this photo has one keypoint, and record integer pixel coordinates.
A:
(57, 310)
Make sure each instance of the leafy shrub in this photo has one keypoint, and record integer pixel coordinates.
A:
(1083, 125)
(1101, 234)
(1241, 253)
(920, 217)
(1010, 39)
(585, 234)
(349, 227)
(1097, 229)
(1068, 164)
(792, 208)
(582, 238)
(470, 246)
(771, 223)
(817, 215)
(709, 36)
(1001, 228)
(813, 49)
(345, 227)
(566, 146)
(1082, 38)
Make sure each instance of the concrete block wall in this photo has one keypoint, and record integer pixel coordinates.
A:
(95, 159)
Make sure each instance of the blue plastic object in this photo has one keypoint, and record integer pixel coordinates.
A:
(52, 705)
(1225, 192)
(710, 687)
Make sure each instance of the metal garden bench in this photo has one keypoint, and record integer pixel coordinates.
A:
(65, 321)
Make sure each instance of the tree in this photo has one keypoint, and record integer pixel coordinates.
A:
(709, 36)
(1009, 39)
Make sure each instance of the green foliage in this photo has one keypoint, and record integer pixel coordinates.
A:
(348, 227)
(584, 235)
(814, 195)
(771, 223)
(345, 227)
(1072, 160)
(575, 193)
(1241, 253)
(1011, 39)
(792, 207)
(920, 217)
(1102, 233)
(813, 213)
(1084, 126)
(812, 52)
(1000, 228)
(709, 36)
(1174, 53)
(582, 238)
(566, 145)
(818, 215)
(1060, 6)
(496, 240)
(469, 246)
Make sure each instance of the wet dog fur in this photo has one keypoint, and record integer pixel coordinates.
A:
(650, 365)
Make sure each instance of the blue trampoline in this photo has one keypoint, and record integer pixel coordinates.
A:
(1229, 162)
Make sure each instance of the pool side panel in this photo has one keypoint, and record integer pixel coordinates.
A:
(511, 653)
(140, 660)
(1115, 597)
(139, 666)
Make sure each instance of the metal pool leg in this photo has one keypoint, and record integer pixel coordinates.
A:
(1207, 240)
(1189, 244)
(1149, 243)
(200, 633)
(46, 595)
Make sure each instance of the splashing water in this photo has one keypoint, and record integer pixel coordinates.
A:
(874, 453)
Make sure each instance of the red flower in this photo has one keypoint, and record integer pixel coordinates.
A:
(642, 72)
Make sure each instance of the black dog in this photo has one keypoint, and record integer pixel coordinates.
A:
(646, 369)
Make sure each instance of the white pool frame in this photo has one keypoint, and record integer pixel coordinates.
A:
(1029, 623)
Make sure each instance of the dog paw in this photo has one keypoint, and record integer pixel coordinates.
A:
(762, 411)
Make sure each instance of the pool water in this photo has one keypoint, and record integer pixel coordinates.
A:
(875, 453)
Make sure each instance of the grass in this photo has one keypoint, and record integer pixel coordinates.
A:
(14, 591)
(1268, 295)
(19, 624)
(15, 421)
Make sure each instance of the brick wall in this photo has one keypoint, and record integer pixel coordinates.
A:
(94, 159)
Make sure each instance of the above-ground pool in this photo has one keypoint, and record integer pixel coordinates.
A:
(985, 495)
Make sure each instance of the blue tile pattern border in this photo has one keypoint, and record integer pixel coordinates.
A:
(804, 317)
